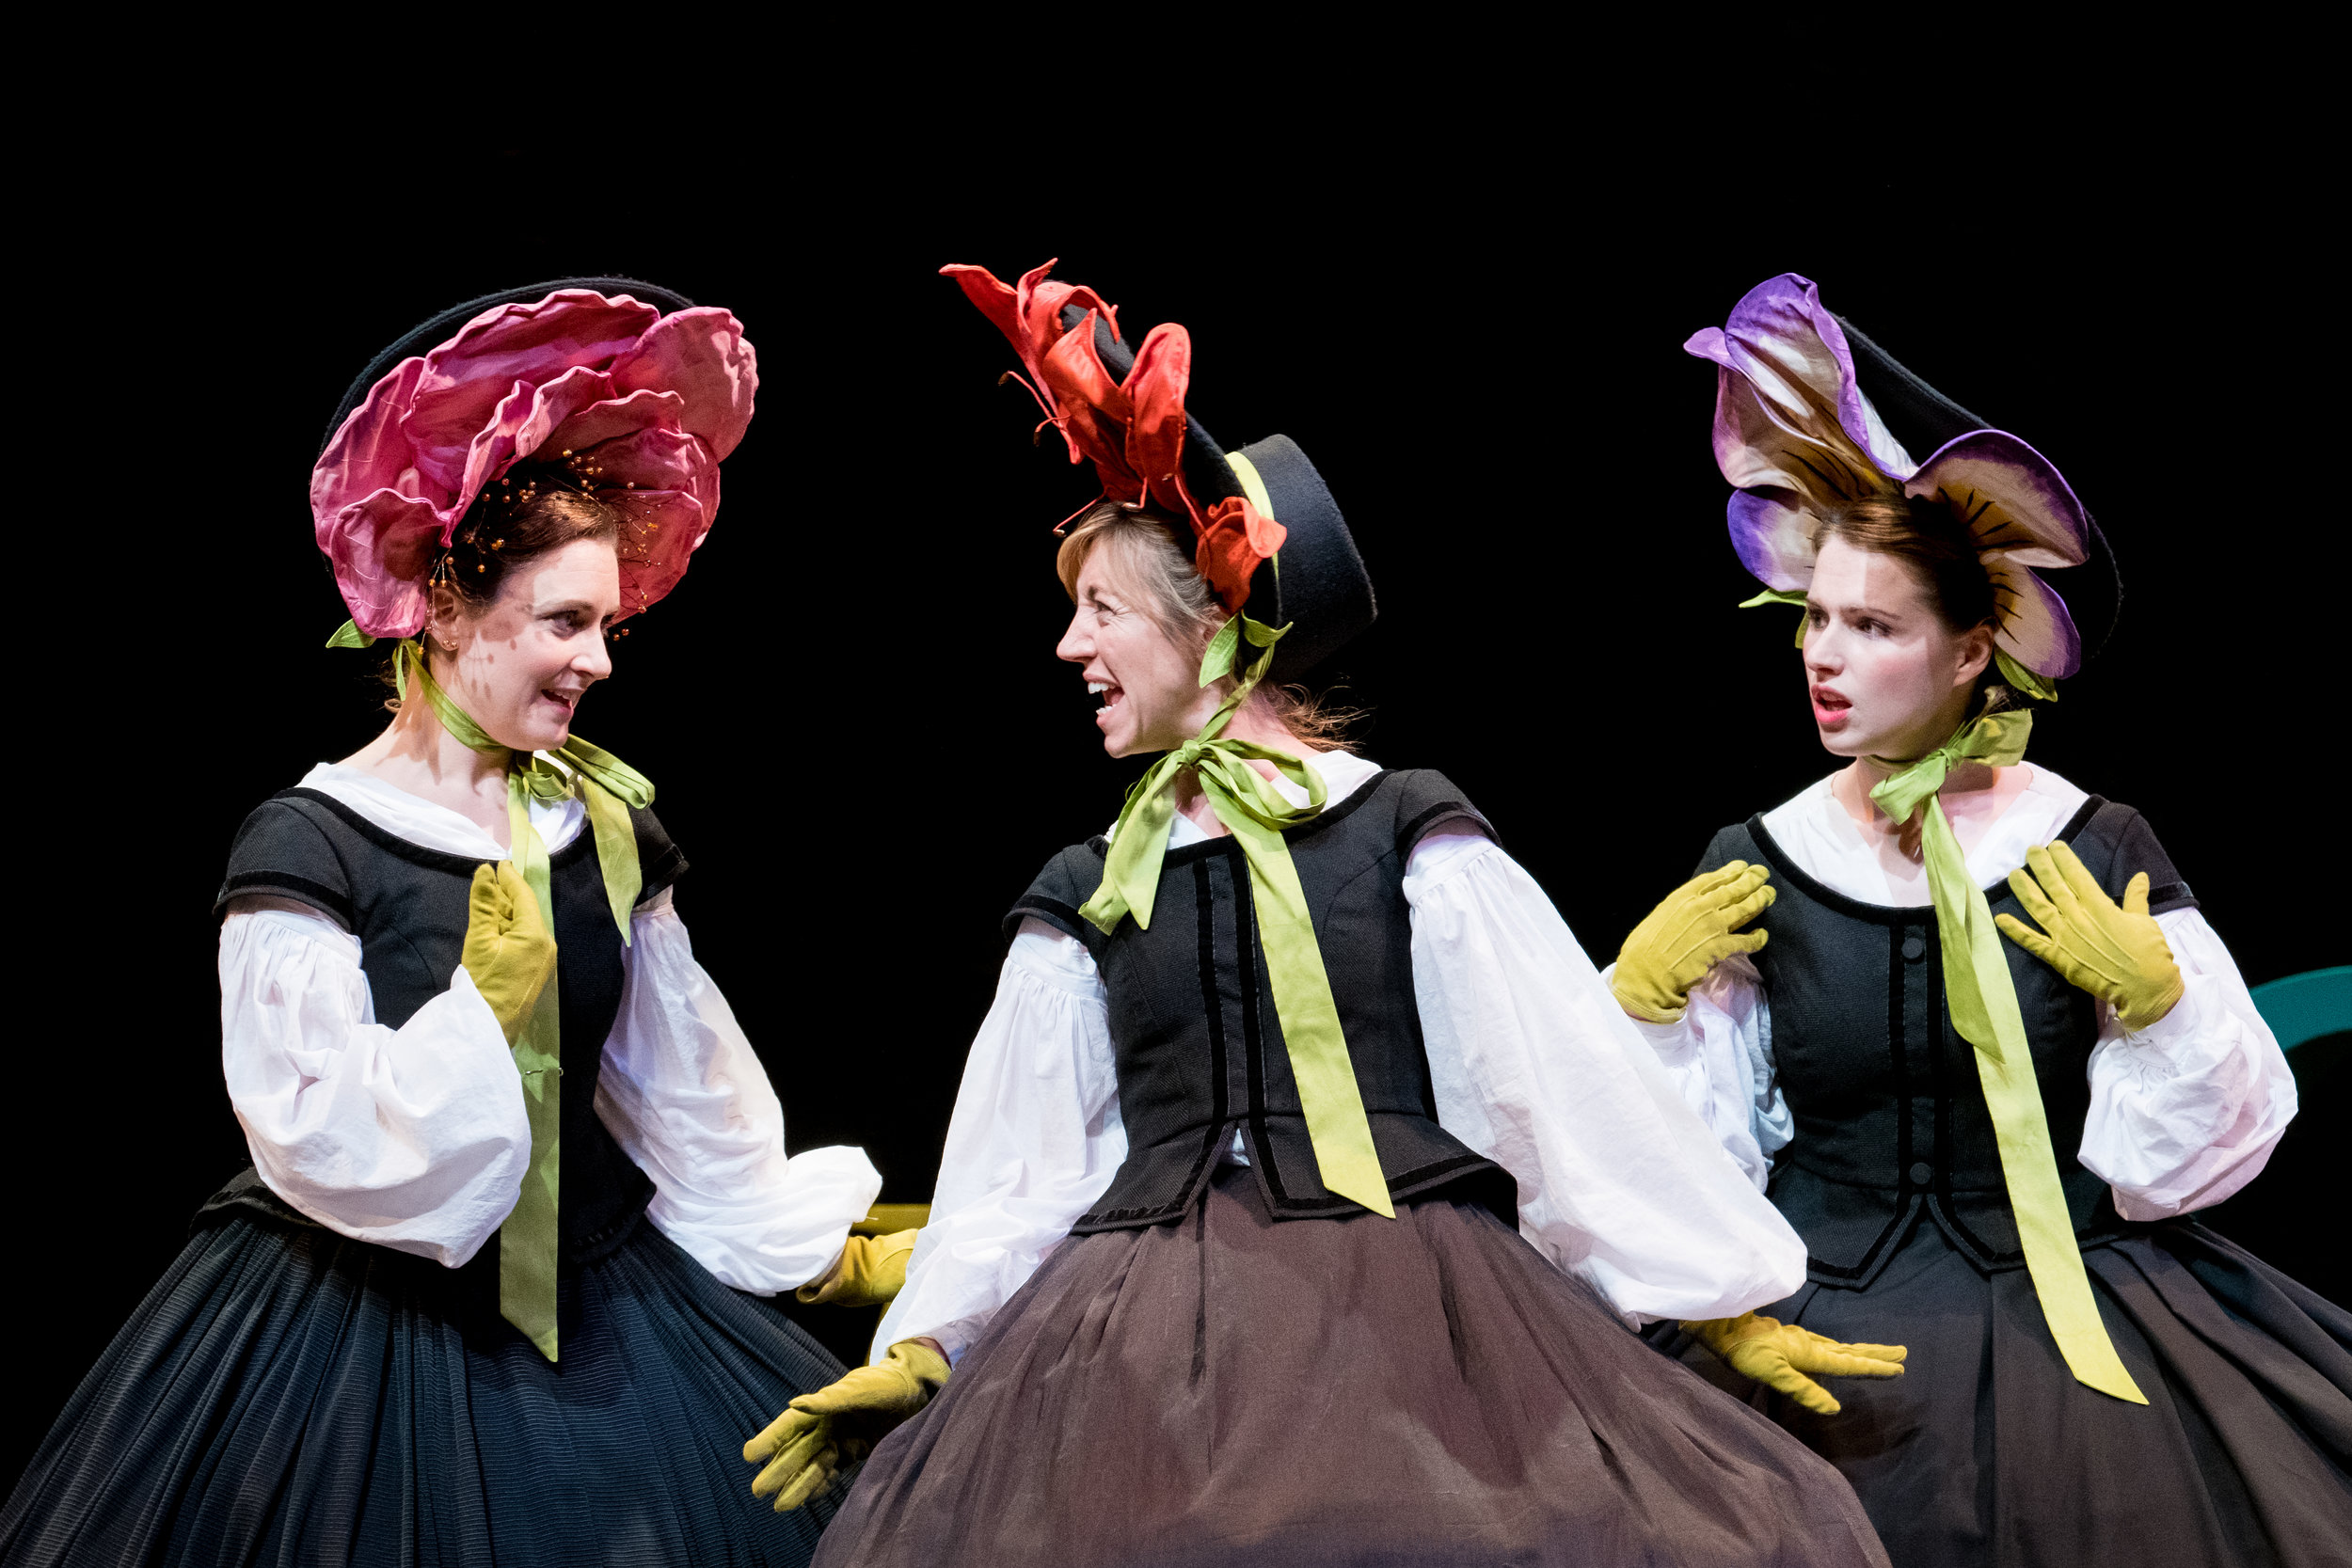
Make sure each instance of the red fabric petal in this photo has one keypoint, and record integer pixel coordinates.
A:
(1094, 409)
(1236, 539)
(1156, 431)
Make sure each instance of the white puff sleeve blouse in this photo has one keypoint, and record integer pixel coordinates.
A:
(415, 1138)
(1533, 1064)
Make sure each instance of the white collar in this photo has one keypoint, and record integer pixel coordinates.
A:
(1827, 845)
(436, 827)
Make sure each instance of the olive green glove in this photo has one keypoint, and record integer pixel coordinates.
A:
(1778, 1355)
(1693, 930)
(508, 950)
(2115, 952)
(819, 1432)
(870, 1271)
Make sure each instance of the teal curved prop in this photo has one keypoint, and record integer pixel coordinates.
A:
(2307, 1006)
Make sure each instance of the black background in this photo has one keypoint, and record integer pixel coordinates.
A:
(851, 707)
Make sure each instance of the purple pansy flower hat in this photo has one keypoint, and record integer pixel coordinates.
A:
(1796, 434)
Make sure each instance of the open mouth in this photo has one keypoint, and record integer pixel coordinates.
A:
(1110, 693)
(1828, 706)
(567, 701)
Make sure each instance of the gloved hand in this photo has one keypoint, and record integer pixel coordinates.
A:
(508, 950)
(1778, 1355)
(871, 1271)
(819, 1432)
(2115, 952)
(1693, 930)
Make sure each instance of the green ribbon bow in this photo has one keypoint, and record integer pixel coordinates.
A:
(529, 1239)
(1983, 1003)
(1256, 814)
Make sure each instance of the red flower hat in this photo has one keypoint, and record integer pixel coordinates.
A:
(1133, 428)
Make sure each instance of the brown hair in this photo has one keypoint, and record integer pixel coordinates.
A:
(535, 508)
(1935, 549)
(1152, 554)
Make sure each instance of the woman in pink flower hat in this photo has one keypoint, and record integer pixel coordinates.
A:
(518, 1182)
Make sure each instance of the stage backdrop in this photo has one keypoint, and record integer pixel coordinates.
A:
(857, 679)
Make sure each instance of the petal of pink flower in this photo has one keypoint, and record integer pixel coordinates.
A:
(368, 453)
(608, 420)
(521, 424)
(466, 378)
(665, 528)
(701, 356)
(381, 547)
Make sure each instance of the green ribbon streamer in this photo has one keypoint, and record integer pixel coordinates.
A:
(530, 1240)
(1255, 814)
(1983, 1003)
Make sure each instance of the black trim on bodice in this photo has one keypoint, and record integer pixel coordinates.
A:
(1889, 1113)
(408, 906)
(1200, 1048)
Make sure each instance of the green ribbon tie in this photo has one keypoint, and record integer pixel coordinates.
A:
(530, 1240)
(1983, 1002)
(1256, 814)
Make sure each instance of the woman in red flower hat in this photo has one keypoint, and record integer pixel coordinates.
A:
(1305, 1178)
(518, 1181)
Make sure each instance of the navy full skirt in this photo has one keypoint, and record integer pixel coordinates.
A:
(289, 1396)
(1987, 1453)
(1226, 1391)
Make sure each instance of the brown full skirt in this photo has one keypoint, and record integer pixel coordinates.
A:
(1227, 1390)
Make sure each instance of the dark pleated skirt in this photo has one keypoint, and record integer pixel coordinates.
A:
(1987, 1452)
(1229, 1391)
(288, 1396)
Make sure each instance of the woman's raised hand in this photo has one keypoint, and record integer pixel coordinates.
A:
(2115, 952)
(837, 1425)
(1693, 930)
(1779, 1355)
(508, 951)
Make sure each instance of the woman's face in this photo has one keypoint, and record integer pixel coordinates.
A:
(1149, 684)
(1887, 677)
(522, 665)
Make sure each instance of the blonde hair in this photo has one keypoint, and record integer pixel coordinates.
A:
(1150, 557)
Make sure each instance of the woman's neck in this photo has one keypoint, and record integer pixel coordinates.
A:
(1255, 722)
(1974, 797)
(417, 754)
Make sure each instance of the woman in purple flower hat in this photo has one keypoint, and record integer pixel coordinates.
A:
(1983, 1052)
(518, 1181)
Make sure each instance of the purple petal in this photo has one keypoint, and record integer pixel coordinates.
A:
(2011, 496)
(2030, 620)
(1783, 341)
(1773, 537)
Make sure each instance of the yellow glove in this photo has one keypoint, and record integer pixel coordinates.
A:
(1778, 1355)
(2115, 952)
(1693, 930)
(819, 1432)
(870, 1271)
(508, 950)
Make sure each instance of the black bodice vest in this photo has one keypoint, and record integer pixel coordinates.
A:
(1888, 1110)
(407, 906)
(1200, 1048)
